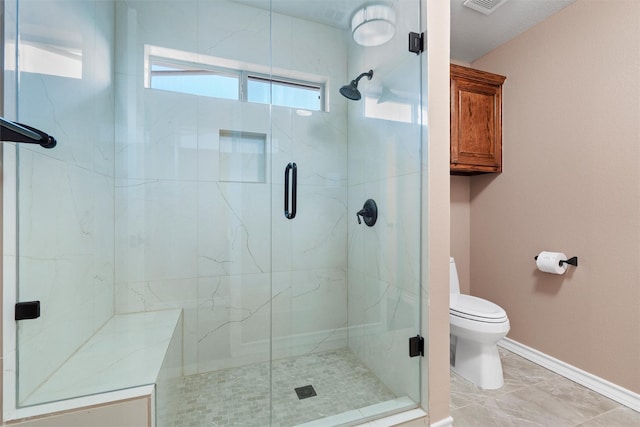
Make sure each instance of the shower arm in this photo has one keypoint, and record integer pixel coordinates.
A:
(17, 132)
(369, 74)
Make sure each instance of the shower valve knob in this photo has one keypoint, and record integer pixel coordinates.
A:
(369, 213)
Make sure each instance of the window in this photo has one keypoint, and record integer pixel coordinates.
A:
(186, 79)
(284, 93)
(44, 57)
(218, 78)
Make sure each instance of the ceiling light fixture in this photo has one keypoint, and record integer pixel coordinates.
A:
(373, 25)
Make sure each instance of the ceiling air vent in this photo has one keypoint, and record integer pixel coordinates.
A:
(484, 6)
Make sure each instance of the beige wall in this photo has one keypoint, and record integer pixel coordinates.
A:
(571, 184)
(435, 213)
(461, 221)
(461, 229)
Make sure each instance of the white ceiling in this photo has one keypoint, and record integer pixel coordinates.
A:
(336, 13)
(473, 34)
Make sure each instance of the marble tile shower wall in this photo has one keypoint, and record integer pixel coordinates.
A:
(66, 194)
(223, 251)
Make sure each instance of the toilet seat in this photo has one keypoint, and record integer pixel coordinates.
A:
(476, 309)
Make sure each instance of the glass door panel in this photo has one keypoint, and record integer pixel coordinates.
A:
(384, 155)
(345, 295)
(153, 203)
(195, 191)
(65, 195)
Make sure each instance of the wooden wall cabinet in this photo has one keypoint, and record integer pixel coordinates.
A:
(476, 121)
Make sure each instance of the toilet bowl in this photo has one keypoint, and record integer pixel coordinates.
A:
(476, 327)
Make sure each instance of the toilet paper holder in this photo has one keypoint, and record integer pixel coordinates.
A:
(572, 261)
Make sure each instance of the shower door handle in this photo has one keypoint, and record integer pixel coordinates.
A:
(290, 170)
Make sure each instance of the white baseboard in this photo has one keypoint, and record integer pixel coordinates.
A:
(447, 422)
(599, 385)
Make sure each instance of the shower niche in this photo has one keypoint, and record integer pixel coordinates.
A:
(242, 156)
(165, 228)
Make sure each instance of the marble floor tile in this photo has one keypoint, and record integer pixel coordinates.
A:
(464, 393)
(618, 417)
(534, 396)
(520, 372)
(557, 402)
(571, 401)
(477, 415)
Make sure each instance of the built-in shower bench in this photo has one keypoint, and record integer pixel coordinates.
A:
(130, 350)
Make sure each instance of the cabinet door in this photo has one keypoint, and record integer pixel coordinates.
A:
(476, 121)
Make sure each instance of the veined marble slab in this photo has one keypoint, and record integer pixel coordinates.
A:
(128, 351)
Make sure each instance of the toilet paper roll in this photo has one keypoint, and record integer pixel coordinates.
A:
(549, 262)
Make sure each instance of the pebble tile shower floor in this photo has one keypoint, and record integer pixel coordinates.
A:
(240, 396)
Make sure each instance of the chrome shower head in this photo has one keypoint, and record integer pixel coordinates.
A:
(351, 91)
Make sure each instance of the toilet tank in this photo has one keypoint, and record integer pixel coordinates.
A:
(454, 284)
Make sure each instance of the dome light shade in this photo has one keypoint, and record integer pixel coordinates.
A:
(373, 25)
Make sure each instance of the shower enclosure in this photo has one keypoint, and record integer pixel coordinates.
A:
(204, 196)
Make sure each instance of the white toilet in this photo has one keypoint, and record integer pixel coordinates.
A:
(476, 327)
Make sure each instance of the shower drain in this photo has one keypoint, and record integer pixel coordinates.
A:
(306, 391)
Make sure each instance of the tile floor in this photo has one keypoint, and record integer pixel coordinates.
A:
(240, 396)
(531, 396)
(534, 396)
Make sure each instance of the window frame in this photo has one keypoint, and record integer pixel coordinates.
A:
(283, 81)
(193, 69)
(242, 71)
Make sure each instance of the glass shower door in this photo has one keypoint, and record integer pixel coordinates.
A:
(345, 295)
(310, 172)
(208, 165)
(385, 134)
